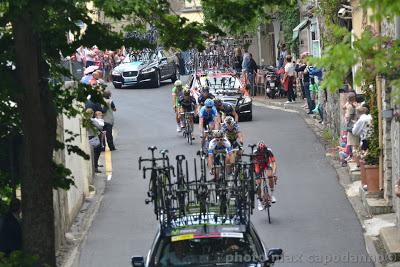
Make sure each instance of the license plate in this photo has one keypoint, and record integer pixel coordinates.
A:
(272, 84)
(131, 79)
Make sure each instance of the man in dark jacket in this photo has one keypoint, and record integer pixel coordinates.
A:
(251, 72)
(10, 229)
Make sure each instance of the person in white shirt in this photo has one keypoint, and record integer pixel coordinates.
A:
(362, 126)
(290, 77)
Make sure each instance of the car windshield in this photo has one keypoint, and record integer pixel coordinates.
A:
(220, 83)
(144, 56)
(207, 252)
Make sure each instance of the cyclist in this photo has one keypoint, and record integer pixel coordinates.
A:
(219, 146)
(225, 109)
(205, 94)
(207, 116)
(232, 132)
(264, 163)
(188, 104)
(176, 92)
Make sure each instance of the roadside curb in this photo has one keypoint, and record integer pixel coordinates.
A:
(373, 244)
(68, 254)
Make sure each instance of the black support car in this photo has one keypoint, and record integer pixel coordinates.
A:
(146, 66)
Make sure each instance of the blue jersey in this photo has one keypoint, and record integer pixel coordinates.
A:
(208, 115)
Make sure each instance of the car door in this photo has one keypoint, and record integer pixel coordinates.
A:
(162, 64)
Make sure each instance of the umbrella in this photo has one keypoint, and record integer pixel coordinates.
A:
(304, 54)
(90, 69)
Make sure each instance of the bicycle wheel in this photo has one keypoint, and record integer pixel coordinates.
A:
(267, 201)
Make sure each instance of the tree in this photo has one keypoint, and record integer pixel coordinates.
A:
(32, 37)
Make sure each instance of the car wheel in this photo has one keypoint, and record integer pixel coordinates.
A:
(156, 80)
(117, 85)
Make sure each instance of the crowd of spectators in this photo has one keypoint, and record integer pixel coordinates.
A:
(105, 60)
(97, 66)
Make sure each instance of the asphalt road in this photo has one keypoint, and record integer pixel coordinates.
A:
(312, 221)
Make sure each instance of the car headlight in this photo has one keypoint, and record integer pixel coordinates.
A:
(148, 70)
(116, 73)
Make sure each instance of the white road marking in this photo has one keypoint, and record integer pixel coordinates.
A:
(274, 107)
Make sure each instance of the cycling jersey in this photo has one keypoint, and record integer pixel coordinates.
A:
(208, 116)
(214, 148)
(187, 105)
(177, 94)
(231, 135)
(203, 98)
(226, 106)
(263, 160)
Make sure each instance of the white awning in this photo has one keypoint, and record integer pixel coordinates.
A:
(299, 28)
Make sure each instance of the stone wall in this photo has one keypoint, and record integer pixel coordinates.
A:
(391, 138)
(332, 112)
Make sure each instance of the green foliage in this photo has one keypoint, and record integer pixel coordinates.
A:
(382, 8)
(336, 60)
(62, 177)
(240, 16)
(18, 259)
(327, 11)
(290, 18)
(372, 156)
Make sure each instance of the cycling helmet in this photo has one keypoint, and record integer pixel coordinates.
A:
(229, 120)
(261, 145)
(178, 83)
(209, 103)
(217, 101)
(218, 134)
(228, 109)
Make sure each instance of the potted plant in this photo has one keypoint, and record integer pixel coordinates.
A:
(372, 156)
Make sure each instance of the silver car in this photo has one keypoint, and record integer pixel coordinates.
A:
(146, 66)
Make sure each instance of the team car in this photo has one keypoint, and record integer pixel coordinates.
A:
(227, 87)
(151, 66)
(202, 222)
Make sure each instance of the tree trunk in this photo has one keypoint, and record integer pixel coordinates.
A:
(39, 129)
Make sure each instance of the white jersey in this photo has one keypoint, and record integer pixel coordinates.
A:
(214, 148)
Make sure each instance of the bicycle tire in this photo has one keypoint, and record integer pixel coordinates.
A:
(268, 202)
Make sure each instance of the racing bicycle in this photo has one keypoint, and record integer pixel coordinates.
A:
(188, 130)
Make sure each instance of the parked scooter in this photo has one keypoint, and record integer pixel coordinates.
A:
(272, 82)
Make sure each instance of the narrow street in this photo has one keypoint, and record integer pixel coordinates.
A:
(311, 221)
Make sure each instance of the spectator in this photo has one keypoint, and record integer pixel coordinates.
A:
(344, 150)
(10, 229)
(362, 126)
(109, 119)
(350, 119)
(251, 72)
(303, 67)
(237, 63)
(94, 135)
(89, 57)
(289, 77)
(246, 60)
(282, 54)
